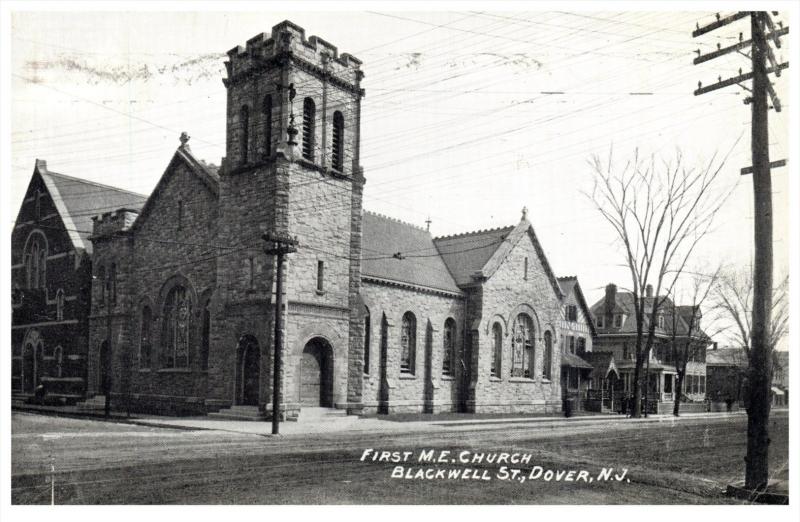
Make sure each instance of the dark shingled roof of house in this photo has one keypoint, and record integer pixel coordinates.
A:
(420, 263)
(602, 362)
(78, 200)
(574, 361)
(466, 254)
(726, 357)
(625, 304)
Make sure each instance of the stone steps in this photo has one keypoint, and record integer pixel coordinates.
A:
(312, 414)
(98, 402)
(238, 412)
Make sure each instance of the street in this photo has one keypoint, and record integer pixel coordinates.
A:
(689, 460)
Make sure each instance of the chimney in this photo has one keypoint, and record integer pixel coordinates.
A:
(715, 345)
(648, 290)
(611, 301)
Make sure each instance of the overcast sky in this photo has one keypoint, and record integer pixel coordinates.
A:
(460, 123)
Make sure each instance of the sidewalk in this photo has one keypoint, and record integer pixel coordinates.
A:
(360, 424)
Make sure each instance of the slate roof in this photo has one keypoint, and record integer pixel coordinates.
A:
(574, 361)
(466, 254)
(382, 237)
(625, 305)
(726, 357)
(78, 200)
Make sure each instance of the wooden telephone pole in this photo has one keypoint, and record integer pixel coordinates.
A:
(278, 245)
(760, 367)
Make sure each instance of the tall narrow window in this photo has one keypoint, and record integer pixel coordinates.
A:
(205, 341)
(35, 260)
(522, 351)
(320, 276)
(367, 335)
(145, 338)
(244, 134)
(59, 357)
(309, 116)
(337, 143)
(408, 343)
(60, 305)
(547, 360)
(497, 349)
(112, 284)
(251, 273)
(38, 205)
(180, 214)
(175, 336)
(101, 284)
(525, 276)
(267, 116)
(571, 343)
(581, 347)
(43, 268)
(449, 346)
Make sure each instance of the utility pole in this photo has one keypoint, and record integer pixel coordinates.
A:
(760, 367)
(278, 245)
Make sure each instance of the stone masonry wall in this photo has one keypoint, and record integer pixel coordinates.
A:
(407, 391)
(505, 295)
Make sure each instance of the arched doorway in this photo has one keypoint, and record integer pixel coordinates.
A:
(104, 368)
(248, 372)
(28, 369)
(316, 374)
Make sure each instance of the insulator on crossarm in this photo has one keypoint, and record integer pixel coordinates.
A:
(741, 37)
(699, 85)
(717, 15)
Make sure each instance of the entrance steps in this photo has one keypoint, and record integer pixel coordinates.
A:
(96, 403)
(316, 414)
(239, 412)
(20, 399)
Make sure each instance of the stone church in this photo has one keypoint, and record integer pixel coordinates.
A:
(379, 316)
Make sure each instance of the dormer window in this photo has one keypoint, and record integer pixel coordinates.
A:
(617, 321)
(599, 321)
(661, 321)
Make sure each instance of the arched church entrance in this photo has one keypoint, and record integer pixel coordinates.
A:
(316, 374)
(248, 372)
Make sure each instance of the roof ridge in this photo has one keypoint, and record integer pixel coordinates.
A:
(396, 220)
(475, 232)
(89, 182)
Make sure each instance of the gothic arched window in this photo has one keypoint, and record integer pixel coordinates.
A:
(309, 117)
(266, 110)
(337, 142)
(449, 346)
(60, 305)
(522, 349)
(497, 349)
(244, 137)
(36, 262)
(59, 357)
(175, 335)
(146, 338)
(408, 343)
(547, 361)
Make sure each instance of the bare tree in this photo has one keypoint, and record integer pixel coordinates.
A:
(733, 300)
(660, 213)
(687, 339)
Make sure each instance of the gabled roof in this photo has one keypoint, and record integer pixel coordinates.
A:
(466, 254)
(602, 362)
(418, 262)
(480, 254)
(78, 200)
(207, 173)
(569, 284)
